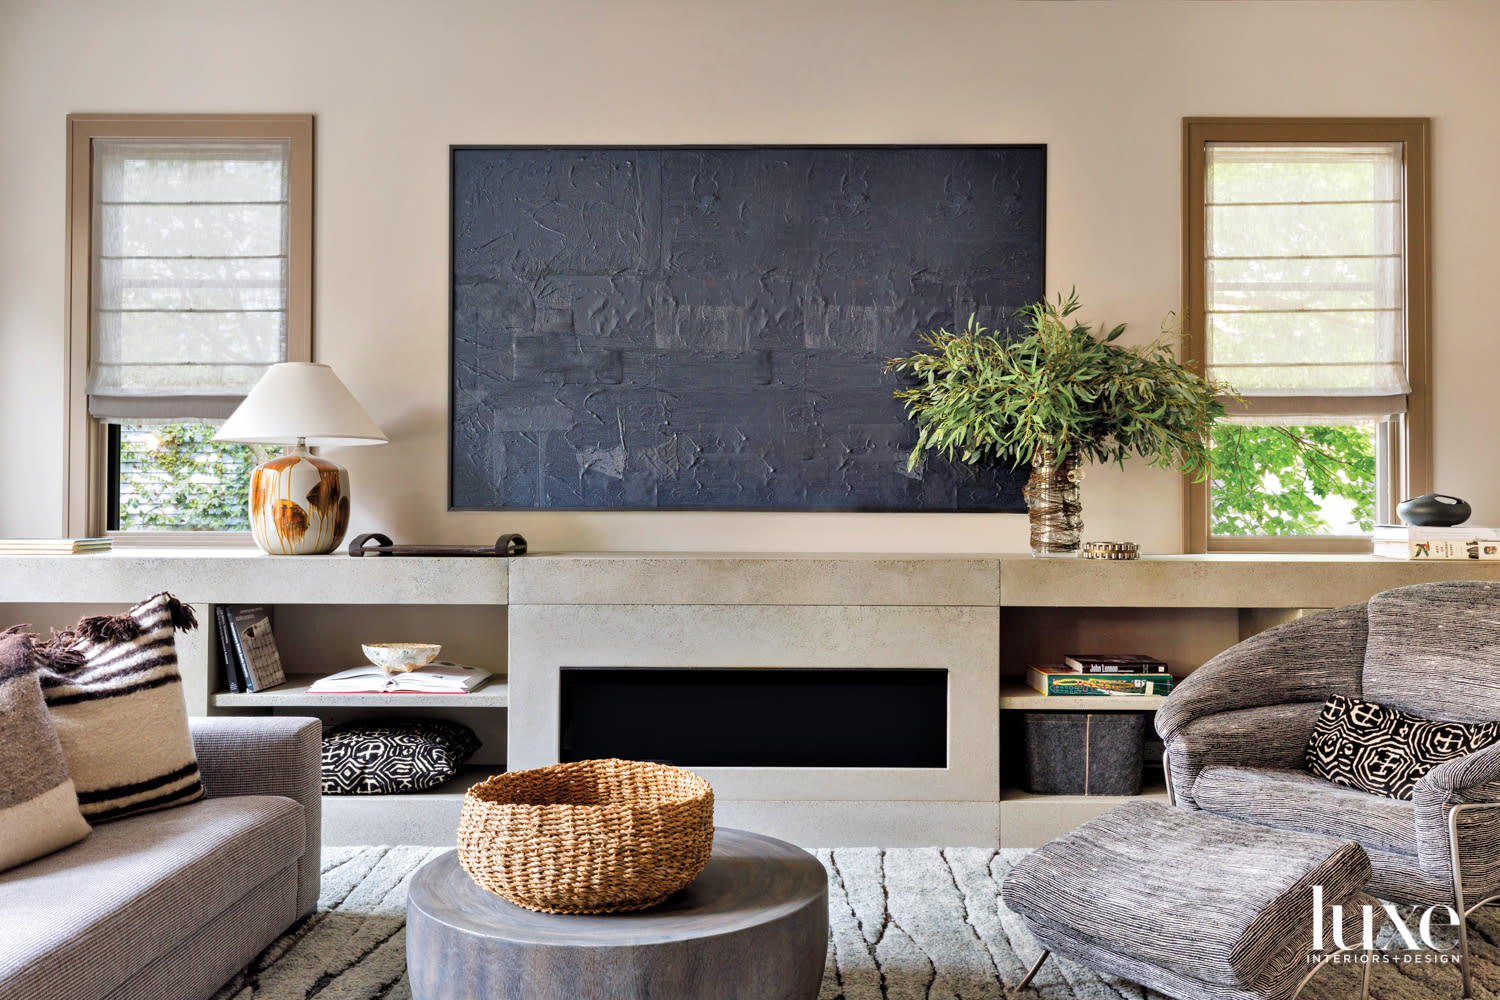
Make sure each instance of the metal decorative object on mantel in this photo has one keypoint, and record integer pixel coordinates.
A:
(1053, 398)
(373, 543)
(1116, 551)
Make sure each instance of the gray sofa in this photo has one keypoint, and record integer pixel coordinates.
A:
(170, 905)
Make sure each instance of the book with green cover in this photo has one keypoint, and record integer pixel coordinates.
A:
(1052, 679)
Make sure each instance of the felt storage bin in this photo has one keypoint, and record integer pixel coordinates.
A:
(1083, 753)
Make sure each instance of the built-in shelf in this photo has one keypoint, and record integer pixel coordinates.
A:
(1150, 790)
(981, 617)
(1019, 696)
(294, 694)
(453, 788)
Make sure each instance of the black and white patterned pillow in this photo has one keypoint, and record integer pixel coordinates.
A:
(388, 758)
(1385, 751)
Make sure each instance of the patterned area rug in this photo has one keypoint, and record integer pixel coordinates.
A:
(914, 924)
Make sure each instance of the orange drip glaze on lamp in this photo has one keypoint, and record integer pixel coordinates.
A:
(299, 502)
(299, 505)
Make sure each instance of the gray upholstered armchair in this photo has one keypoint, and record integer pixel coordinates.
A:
(1236, 733)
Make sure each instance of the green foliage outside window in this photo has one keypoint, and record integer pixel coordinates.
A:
(175, 477)
(1292, 480)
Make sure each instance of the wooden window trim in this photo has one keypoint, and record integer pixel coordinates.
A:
(1411, 454)
(84, 471)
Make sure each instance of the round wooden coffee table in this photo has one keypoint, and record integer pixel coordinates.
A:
(753, 926)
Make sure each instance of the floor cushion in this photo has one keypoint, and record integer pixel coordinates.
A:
(81, 921)
(394, 756)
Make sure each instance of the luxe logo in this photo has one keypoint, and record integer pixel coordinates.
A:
(1410, 941)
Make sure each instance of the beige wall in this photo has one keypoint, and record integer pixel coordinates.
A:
(1103, 84)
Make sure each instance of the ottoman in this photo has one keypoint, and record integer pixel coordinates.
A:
(1190, 904)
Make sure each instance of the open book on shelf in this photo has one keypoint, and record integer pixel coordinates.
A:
(440, 677)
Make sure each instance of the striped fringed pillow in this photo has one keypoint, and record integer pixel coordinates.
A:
(116, 698)
(38, 807)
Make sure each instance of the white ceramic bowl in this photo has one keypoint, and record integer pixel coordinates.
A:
(401, 657)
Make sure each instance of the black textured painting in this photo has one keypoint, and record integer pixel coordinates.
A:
(679, 328)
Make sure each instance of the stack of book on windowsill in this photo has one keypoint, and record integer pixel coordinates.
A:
(52, 546)
(1410, 541)
(1102, 674)
(440, 677)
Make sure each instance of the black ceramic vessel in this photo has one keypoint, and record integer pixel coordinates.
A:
(1433, 510)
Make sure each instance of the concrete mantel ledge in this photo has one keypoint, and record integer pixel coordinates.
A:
(249, 576)
(244, 575)
(979, 580)
(1221, 580)
(756, 580)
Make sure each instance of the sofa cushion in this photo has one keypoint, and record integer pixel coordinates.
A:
(80, 922)
(115, 695)
(38, 807)
(207, 960)
(1434, 650)
(1385, 751)
(1296, 800)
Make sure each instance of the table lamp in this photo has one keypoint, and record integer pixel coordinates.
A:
(299, 503)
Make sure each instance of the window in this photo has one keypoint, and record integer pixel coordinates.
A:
(190, 253)
(1306, 276)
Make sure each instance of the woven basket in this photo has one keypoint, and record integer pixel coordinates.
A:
(597, 836)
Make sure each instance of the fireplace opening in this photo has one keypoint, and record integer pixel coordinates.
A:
(756, 716)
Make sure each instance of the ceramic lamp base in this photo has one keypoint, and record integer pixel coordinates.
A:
(299, 505)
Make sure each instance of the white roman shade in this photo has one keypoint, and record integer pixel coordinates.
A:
(189, 296)
(1305, 310)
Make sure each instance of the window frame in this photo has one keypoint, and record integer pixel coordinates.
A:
(86, 468)
(1409, 451)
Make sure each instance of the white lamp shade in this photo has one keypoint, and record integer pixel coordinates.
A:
(296, 401)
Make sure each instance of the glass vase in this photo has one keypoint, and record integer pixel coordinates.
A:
(1052, 497)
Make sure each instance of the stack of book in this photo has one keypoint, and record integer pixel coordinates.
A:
(248, 655)
(52, 546)
(1102, 675)
(1410, 541)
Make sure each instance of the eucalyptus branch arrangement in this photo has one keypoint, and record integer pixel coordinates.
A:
(1060, 389)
